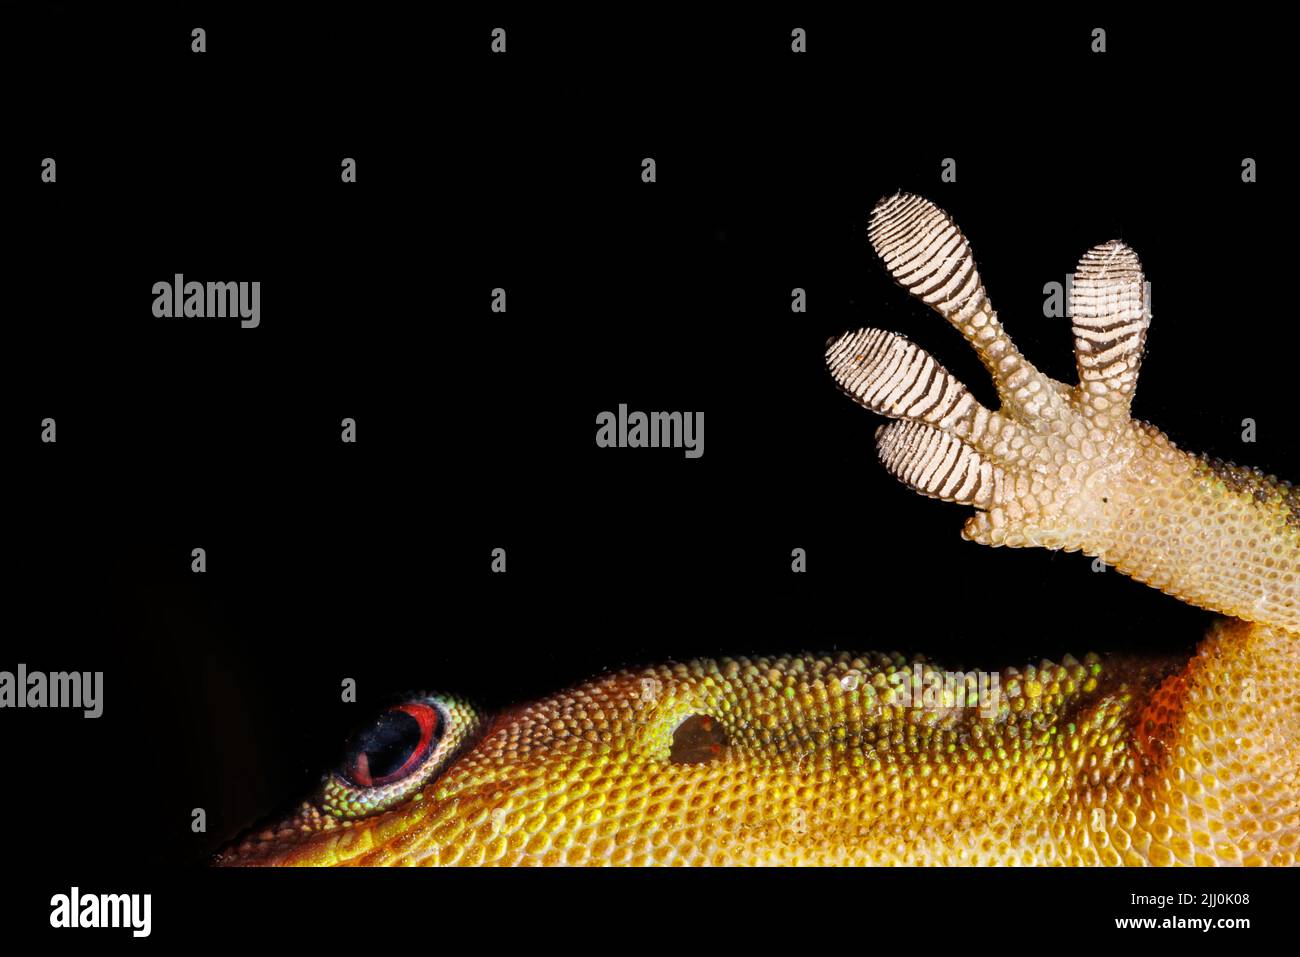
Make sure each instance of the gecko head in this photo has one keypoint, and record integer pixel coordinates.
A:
(479, 790)
(388, 774)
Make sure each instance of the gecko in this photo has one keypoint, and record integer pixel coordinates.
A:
(826, 759)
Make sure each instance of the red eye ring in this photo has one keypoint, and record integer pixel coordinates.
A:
(396, 743)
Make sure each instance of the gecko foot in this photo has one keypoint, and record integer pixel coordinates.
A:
(1039, 468)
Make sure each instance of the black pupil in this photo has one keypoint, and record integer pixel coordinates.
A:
(387, 744)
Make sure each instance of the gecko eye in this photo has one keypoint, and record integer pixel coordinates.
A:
(395, 754)
(392, 745)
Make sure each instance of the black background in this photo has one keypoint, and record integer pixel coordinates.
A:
(371, 561)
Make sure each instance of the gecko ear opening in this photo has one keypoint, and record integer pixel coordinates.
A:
(699, 739)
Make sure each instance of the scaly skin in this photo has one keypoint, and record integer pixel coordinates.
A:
(831, 760)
